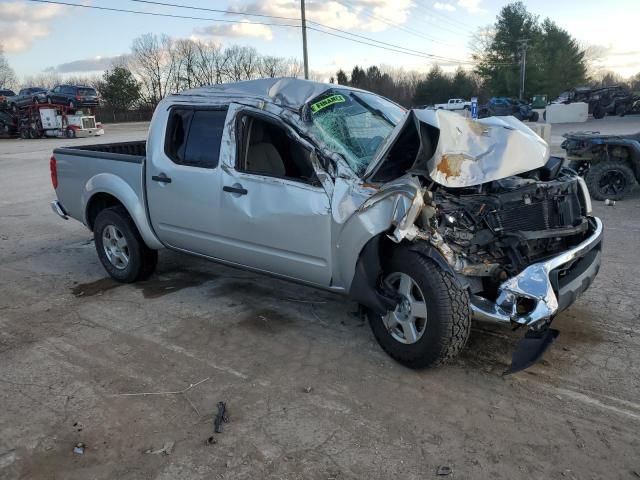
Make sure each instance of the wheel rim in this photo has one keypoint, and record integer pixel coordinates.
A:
(612, 182)
(408, 322)
(115, 247)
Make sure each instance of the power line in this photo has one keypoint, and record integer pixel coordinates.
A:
(215, 10)
(386, 21)
(155, 14)
(378, 44)
(232, 12)
(455, 23)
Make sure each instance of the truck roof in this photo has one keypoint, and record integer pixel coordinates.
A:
(283, 91)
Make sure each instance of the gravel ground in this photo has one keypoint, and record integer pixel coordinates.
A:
(310, 394)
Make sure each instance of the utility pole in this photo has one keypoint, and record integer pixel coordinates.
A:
(523, 63)
(304, 41)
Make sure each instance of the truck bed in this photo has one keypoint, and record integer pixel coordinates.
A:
(123, 151)
(104, 167)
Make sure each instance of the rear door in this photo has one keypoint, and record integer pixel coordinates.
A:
(183, 179)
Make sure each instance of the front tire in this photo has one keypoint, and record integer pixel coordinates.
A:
(609, 180)
(121, 249)
(431, 324)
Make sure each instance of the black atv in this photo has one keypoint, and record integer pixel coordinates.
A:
(610, 164)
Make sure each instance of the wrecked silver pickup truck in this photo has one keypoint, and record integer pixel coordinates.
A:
(423, 217)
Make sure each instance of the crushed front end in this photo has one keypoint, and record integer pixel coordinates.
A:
(526, 246)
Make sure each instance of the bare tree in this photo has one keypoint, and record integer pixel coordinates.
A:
(7, 75)
(153, 62)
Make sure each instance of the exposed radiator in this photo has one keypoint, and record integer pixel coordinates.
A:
(550, 213)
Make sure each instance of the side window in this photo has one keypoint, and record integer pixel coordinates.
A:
(193, 137)
(267, 150)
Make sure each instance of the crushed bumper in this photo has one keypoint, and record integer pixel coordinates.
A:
(551, 285)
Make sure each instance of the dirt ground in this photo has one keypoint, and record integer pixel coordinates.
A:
(310, 394)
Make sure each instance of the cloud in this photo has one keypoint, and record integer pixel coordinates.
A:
(242, 29)
(444, 6)
(21, 24)
(88, 64)
(362, 15)
(471, 6)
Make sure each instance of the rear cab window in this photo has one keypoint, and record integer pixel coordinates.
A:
(193, 136)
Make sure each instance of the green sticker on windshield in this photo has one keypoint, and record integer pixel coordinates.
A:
(325, 102)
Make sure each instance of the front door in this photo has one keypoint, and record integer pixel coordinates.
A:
(274, 214)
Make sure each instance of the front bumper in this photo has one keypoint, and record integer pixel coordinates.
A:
(552, 285)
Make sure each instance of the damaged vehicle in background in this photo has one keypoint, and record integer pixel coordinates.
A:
(423, 217)
(610, 164)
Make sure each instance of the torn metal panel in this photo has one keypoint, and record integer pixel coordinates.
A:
(472, 152)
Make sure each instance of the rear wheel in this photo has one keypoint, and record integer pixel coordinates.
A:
(431, 323)
(609, 180)
(121, 250)
(535, 116)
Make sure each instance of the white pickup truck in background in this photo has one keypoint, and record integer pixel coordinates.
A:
(453, 104)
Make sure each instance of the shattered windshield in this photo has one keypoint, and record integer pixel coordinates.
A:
(354, 124)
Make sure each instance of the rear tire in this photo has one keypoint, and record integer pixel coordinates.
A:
(609, 180)
(71, 133)
(535, 116)
(117, 238)
(448, 315)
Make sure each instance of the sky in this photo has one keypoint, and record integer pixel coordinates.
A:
(75, 40)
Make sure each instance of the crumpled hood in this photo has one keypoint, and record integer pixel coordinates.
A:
(471, 152)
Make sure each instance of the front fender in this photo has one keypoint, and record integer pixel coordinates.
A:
(134, 203)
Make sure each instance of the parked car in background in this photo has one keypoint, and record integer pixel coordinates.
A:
(453, 104)
(503, 106)
(73, 96)
(27, 96)
(5, 94)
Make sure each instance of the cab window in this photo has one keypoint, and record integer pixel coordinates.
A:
(193, 136)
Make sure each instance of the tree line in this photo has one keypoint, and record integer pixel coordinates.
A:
(158, 65)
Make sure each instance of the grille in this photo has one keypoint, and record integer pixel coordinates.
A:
(542, 215)
(88, 123)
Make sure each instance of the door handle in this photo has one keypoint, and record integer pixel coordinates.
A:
(236, 188)
(162, 178)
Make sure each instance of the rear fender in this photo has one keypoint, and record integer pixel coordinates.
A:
(121, 190)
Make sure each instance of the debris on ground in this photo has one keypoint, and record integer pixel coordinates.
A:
(221, 417)
(443, 470)
(610, 203)
(166, 449)
(79, 449)
(307, 389)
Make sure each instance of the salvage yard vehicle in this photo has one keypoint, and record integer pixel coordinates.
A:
(27, 96)
(37, 121)
(74, 96)
(501, 106)
(5, 95)
(423, 217)
(610, 164)
(454, 104)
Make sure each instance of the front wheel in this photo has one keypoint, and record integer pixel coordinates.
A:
(121, 249)
(431, 324)
(609, 180)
